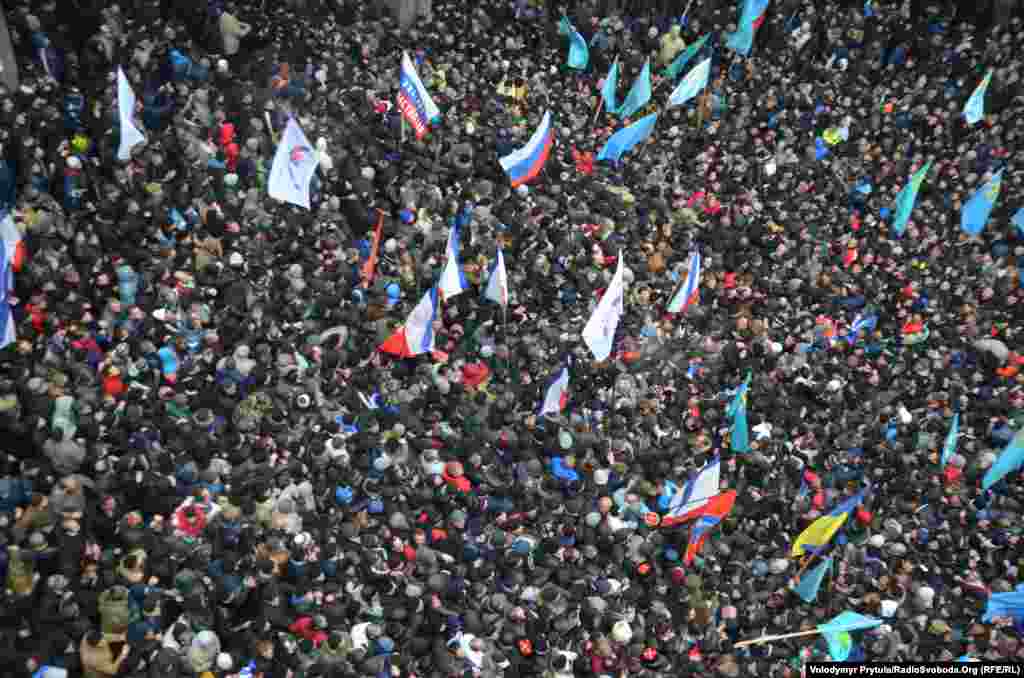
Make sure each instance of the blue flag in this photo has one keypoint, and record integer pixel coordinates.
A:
(837, 632)
(821, 149)
(627, 137)
(293, 168)
(740, 438)
(1018, 220)
(809, 584)
(695, 81)
(1009, 461)
(1005, 605)
(579, 53)
(639, 93)
(975, 213)
(907, 197)
(676, 67)
(611, 84)
(750, 20)
(974, 110)
(949, 447)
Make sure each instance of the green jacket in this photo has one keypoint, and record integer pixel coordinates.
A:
(115, 609)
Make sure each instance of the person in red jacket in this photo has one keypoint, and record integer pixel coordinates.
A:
(310, 628)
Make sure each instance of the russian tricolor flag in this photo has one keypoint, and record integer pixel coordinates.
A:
(416, 336)
(453, 279)
(7, 335)
(413, 99)
(689, 293)
(525, 163)
(13, 241)
(497, 284)
(557, 395)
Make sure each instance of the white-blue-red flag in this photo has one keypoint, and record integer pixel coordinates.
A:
(556, 396)
(416, 336)
(688, 293)
(497, 284)
(523, 164)
(414, 101)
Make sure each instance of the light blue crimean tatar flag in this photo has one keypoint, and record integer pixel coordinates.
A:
(293, 168)
(695, 81)
(627, 137)
(974, 110)
(975, 213)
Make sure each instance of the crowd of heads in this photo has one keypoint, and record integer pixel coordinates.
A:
(208, 468)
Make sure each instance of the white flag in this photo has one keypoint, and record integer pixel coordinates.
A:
(497, 284)
(453, 280)
(599, 333)
(293, 168)
(130, 134)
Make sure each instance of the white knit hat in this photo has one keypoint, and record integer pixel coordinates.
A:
(224, 661)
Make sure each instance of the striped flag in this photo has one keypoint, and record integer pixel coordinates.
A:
(556, 396)
(523, 164)
(7, 333)
(497, 284)
(416, 336)
(453, 279)
(414, 101)
(688, 293)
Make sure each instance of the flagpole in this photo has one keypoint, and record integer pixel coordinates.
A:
(686, 12)
(781, 636)
(597, 111)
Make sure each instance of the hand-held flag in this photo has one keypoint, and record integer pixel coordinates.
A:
(810, 583)
(714, 513)
(13, 240)
(688, 293)
(628, 137)
(1009, 604)
(523, 164)
(453, 279)
(676, 67)
(608, 89)
(975, 213)
(599, 332)
(556, 396)
(740, 433)
(837, 632)
(819, 533)
(750, 20)
(692, 500)
(130, 134)
(1009, 461)
(497, 289)
(579, 52)
(907, 197)
(949, 446)
(695, 81)
(974, 109)
(7, 333)
(416, 336)
(414, 101)
(639, 93)
(293, 167)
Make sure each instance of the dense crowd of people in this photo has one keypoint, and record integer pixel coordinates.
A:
(207, 467)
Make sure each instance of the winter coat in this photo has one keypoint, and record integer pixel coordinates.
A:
(232, 31)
